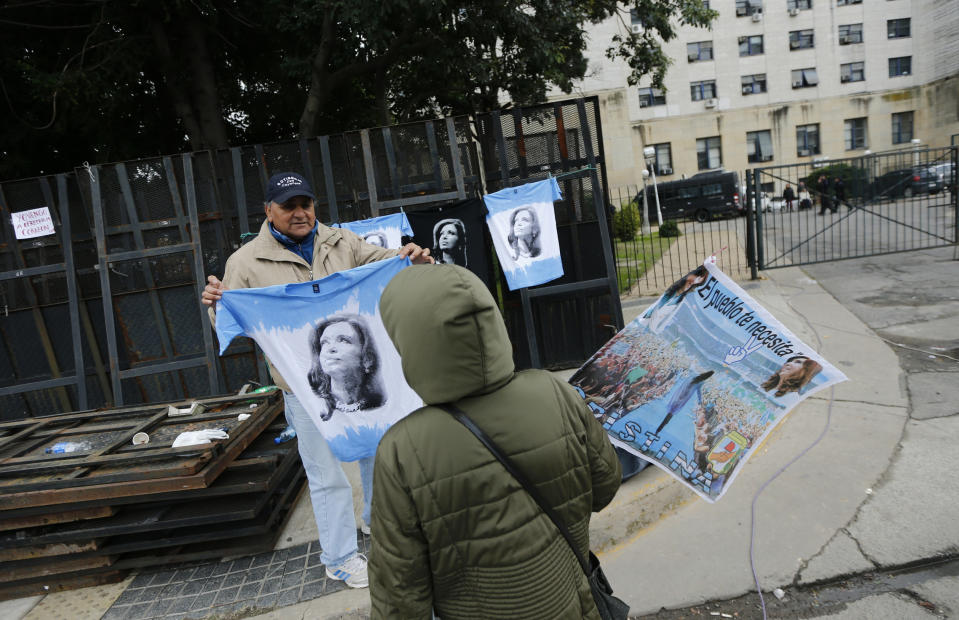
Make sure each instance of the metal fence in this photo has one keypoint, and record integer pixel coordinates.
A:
(648, 261)
(107, 312)
(880, 203)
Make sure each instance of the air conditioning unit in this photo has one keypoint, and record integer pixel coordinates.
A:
(740, 11)
(766, 158)
(747, 90)
(757, 17)
(845, 40)
(797, 84)
(793, 45)
(712, 103)
(793, 12)
(637, 28)
(803, 153)
(845, 78)
(665, 170)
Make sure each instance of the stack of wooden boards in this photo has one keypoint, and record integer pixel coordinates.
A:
(89, 514)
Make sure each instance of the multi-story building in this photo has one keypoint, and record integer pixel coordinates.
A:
(783, 81)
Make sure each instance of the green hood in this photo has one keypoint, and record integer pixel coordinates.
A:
(449, 332)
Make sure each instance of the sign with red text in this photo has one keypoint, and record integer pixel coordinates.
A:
(33, 223)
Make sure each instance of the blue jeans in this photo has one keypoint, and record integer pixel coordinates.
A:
(330, 491)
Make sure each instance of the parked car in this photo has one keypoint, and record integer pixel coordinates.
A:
(907, 183)
(947, 174)
(703, 196)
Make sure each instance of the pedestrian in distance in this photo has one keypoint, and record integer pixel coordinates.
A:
(839, 189)
(454, 533)
(292, 246)
(788, 197)
(824, 200)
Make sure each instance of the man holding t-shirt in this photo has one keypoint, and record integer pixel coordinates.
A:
(293, 247)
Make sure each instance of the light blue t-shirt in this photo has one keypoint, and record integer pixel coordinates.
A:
(327, 340)
(522, 224)
(385, 229)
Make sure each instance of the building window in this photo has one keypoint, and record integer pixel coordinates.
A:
(799, 5)
(855, 133)
(852, 72)
(664, 158)
(899, 28)
(702, 90)
(804, 78)
(900, 66)
(650, 96)
(759, 146)
(807, 140)
(901, 127)
(748, 7)
(754, 84)
(703, 50)
(751, 46)
(850, 33)
(709, 153)
(845, 2)
(801, 39)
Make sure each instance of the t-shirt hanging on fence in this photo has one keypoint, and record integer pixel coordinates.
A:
(455, 234)
(386, 231)
(327, 340)
(522, 223)
(696, 383)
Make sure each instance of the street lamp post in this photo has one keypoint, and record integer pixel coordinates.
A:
(646, 230)
(649, 155)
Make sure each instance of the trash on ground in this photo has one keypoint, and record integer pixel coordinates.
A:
(195, 438)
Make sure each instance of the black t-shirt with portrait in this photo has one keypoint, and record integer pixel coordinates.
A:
(455, 234)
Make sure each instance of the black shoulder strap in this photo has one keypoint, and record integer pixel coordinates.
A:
(466, 421)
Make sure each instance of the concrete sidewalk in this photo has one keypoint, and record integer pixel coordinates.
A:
(838, 510)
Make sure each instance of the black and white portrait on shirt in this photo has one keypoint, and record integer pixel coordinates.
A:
(524, 233)
(346, 367)
(449, 242)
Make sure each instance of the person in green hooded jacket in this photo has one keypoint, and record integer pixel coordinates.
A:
(452, 531)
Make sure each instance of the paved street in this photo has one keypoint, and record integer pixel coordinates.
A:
(893, 550)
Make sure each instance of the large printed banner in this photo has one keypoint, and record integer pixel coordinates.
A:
(697, 381)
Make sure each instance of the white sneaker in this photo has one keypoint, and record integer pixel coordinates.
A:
(352, 572)
(365, 529)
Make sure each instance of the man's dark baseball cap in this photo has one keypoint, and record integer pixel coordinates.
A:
(285, 185)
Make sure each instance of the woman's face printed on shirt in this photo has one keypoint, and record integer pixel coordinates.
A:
(448, 237)
(340, 349)
(522, 225)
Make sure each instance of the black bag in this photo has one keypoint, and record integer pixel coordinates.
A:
(610, 607)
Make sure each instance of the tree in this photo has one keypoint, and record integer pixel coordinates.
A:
(101, 80)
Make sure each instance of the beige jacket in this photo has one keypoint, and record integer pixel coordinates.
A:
(265, 262)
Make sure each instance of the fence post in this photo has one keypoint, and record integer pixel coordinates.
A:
(751, 257)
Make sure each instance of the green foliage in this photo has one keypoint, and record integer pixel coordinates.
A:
(854, 178)
(106, 80)
(626, 221)
(669, 229)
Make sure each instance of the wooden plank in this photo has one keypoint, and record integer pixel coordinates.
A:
(17, 571)
(45, 551)
(59, 583)
(54, 518)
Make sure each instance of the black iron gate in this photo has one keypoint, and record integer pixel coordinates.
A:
(879, 203)
(122, 323)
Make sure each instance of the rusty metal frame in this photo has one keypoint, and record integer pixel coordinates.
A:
(198, 472)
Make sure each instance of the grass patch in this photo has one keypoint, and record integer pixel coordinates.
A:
(634, 258)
